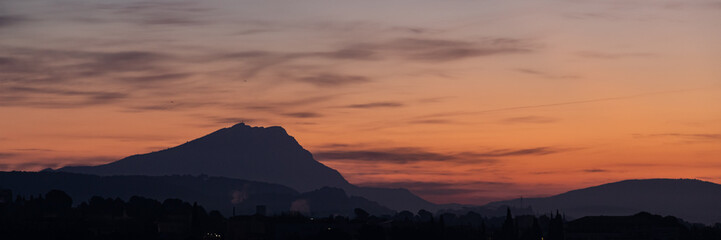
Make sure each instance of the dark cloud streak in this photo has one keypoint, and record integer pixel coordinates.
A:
(11, 20)
(692, 136)
(528, 119)
(600, 55)
(302, 114)
(376, 105)
(408, 154)
(333, 80)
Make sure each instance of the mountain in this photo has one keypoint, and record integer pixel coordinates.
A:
(214, 193)
(334, 201)
(244, 152)
(252, 153)
(689, 199)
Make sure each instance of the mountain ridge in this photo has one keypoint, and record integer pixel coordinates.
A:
(691, 199)
(216, 193)
(266, 154)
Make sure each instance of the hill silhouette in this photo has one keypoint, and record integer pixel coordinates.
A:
(215, 193)
(251, 153)
(692, 200)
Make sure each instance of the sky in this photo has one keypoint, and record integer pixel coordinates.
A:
(464, 101)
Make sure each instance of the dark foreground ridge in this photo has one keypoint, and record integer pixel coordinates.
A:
(215, 193)
(690, 199)
(252, 153)
(52, 216)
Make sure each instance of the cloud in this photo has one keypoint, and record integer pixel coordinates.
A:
(376, 105)
(56, 97)
(687, 136)
(595, 170)
(156, 78)
(417, 49)
(253, 31)
(409, 154)
(7, 154)
(302, 114)
(600, 55)
(528, 119)
(48, 78)
(544, 74)
(11, 20)
(256, 62)
(413, 30)
(348, 54)
(93, 95)
(126, 61)
(440, 50)
(458, 113)
(431, 121)
(234, 120)
(283, 106)
(33, 150)
(183, 13)
(247, 55)
(396, 155)
(333, 80)
(48, 68)
(517, 152)
(169, 106)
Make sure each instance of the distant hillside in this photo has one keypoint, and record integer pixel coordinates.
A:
(252, 153)
(691, 200)
(214, 193)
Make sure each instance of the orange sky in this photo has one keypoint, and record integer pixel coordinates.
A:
(459, 101)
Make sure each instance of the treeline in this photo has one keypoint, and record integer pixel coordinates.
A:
(52, 216)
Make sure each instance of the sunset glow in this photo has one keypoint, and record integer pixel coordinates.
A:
(458, 101)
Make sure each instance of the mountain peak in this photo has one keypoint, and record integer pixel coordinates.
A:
(241, 127)
(266, 154)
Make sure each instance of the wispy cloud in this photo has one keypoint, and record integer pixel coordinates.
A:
(333, 80)
(126, 61)
(234, 120)
(183, 13)
(169, 106)
(528, 119)
(156, 78)
(396, 155)
(302, 114)
(11, 20)
(458, 113)
(602, 55)
(7, 154)
(686, 136)
(432, 121)
(544, 74)
(441, 50)
(409, 154)
(56, 97)
(376, 105)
